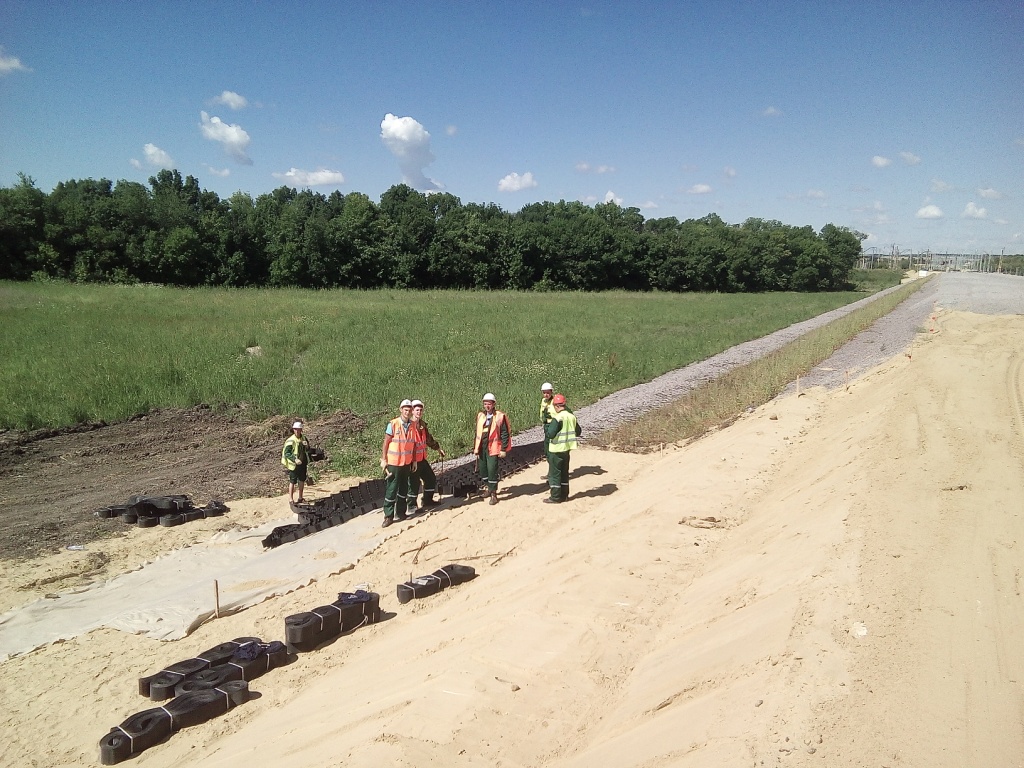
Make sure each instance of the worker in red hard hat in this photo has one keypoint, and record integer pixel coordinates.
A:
(493, 442)
(561, 431)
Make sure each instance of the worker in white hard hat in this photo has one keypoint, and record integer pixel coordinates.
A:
(295, 457)
(493, 442)
(547, 412)
(398, 460)
(424, 472)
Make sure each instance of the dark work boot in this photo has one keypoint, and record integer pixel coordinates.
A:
(494, 498)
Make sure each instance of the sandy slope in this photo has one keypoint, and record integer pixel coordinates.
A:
(843, 590)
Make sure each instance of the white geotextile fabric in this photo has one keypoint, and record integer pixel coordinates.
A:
(169, 597)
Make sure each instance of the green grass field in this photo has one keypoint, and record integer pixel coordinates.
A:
(75, 353)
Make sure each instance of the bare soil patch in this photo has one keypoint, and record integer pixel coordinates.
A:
(52, 481)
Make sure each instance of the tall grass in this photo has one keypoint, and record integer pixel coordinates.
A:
(718, 402)
(874, 280)
(74, 353)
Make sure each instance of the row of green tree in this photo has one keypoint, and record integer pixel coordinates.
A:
(175, 233)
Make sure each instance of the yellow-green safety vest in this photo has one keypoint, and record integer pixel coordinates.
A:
(546, 408)
(289, 461)
(565, 440)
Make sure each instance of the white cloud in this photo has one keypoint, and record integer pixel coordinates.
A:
(930, 212)
(650, 204)
(10, 64)
(222, 172)
(318, 178)
(232, 100)
(990, 194)
(880, 162)
(910, 158)
(451, 130)
(609, 197)
(588, 168)
(157, 157)
(232, 137)
(1000, 221)
(135, 164)
(771, 112)
(514, 182)
(938, 185)
(409, 142)
(816, 194)
(974, 212)
(730, 172)
(699, 189)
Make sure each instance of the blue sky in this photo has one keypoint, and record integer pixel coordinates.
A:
(903, 120)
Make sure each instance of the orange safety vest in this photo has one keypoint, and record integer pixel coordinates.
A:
(402, 448)
(421, 441)
(494, 438)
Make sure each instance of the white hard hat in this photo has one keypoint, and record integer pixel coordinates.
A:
(297, 425)
(417, 402)
(490, 397)
(545, 386)
(405, 403)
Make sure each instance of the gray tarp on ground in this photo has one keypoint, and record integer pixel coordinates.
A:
(169, 597)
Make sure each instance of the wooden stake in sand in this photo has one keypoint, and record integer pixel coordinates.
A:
(216, 599)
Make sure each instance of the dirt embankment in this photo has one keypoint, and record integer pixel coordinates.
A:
(51, 481)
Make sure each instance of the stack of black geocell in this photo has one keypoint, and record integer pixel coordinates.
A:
(166, 511)
(432, 583)
(246, 657)
(202, 688)
(151, 726)
(306, 631)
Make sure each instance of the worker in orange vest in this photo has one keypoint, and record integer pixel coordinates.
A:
(493, 442)
(424, 472)
(398, 460)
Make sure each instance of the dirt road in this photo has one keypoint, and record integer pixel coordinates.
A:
(51, 482)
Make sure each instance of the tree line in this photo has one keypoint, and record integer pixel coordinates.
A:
(173, 232)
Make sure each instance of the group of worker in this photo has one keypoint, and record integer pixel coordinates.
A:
(407, 438)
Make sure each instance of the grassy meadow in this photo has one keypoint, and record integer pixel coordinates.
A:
(75, 353)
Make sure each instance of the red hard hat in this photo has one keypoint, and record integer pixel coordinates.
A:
(558, 400)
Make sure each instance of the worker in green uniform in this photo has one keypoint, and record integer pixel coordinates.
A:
(547, 411)
(493, 442)
(562, 431)
(295, 457)
(424, 472)
(398, 460)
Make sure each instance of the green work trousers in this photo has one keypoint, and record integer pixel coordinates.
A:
(396, 490)
(558, 475)
(424, 475)
(488, 466)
